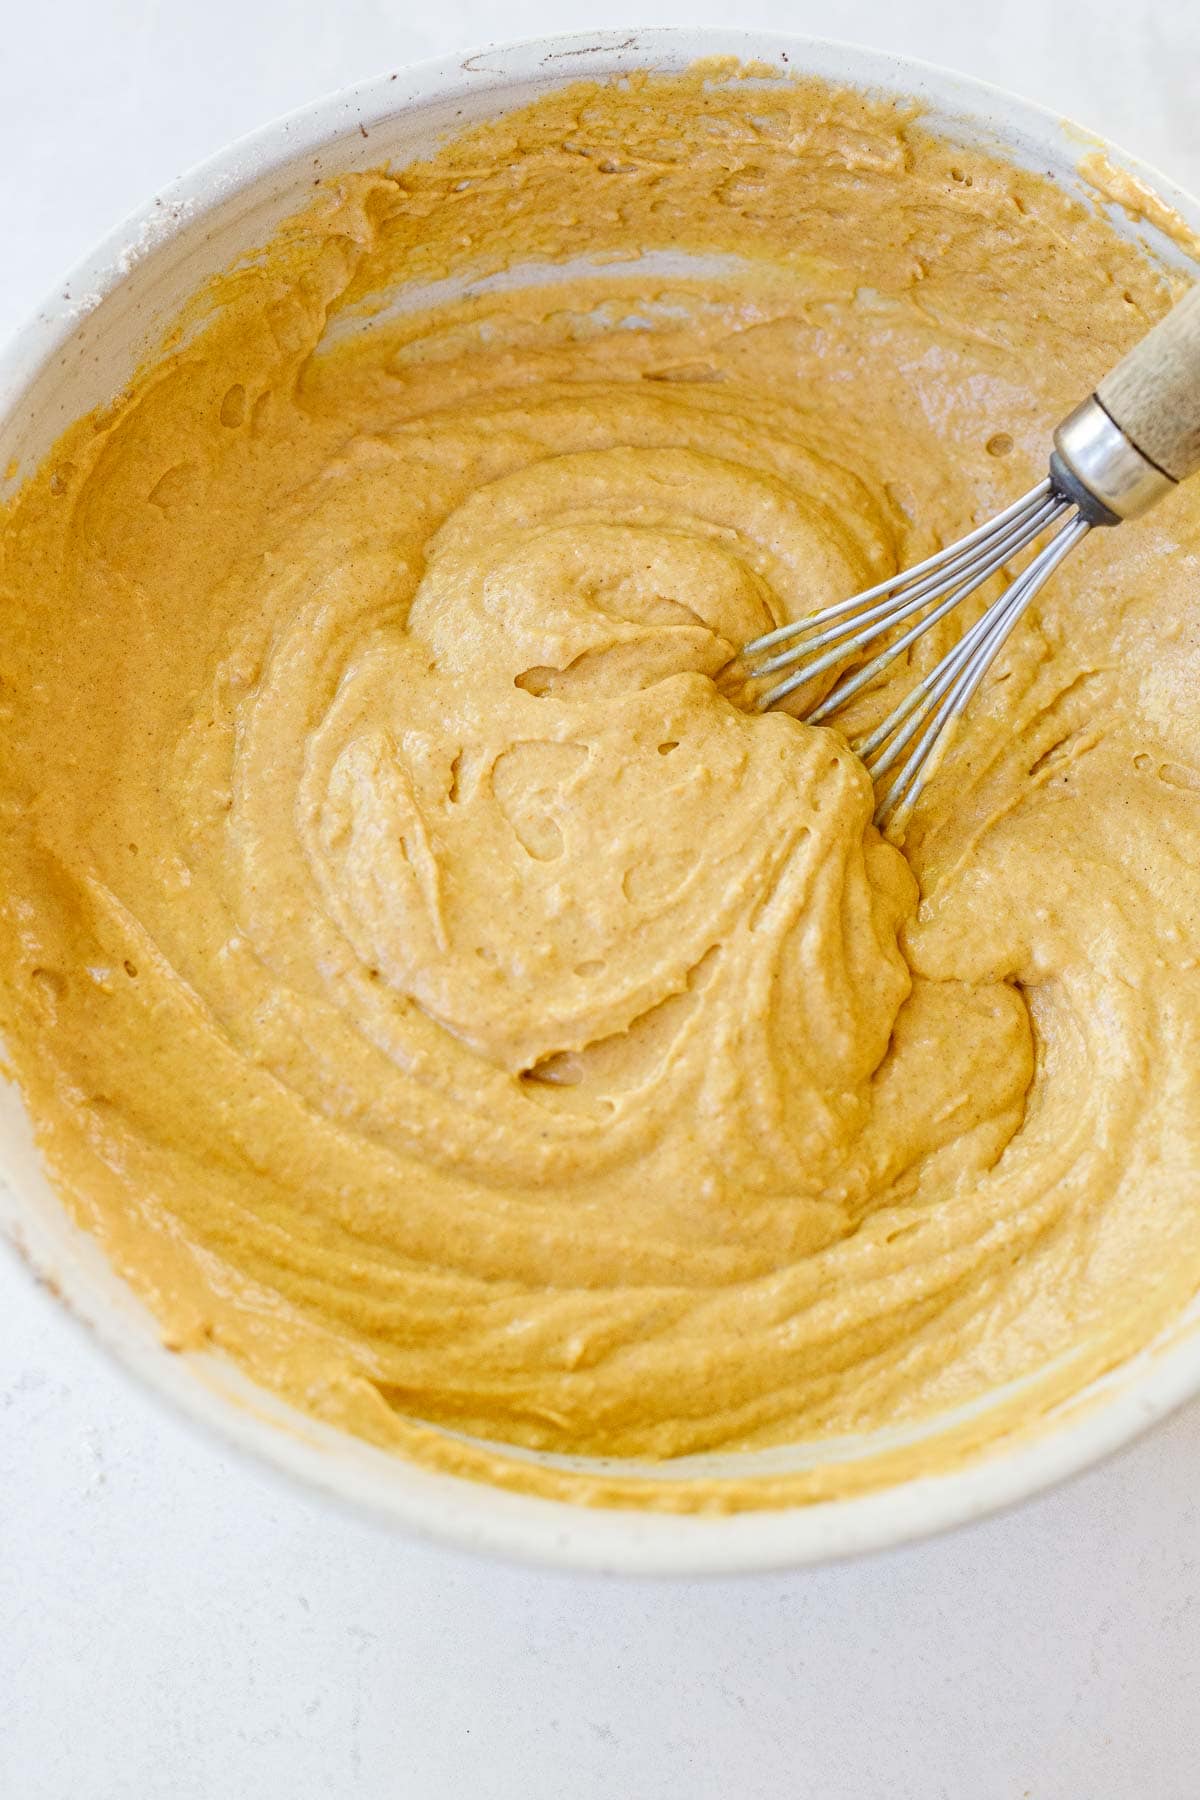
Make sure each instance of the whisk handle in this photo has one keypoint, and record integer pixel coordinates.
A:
(1153, 394)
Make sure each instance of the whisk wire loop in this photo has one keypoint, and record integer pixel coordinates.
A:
(904, 576)
(924, 594)
(958, 687)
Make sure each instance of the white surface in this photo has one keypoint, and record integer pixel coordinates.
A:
(172, 1625)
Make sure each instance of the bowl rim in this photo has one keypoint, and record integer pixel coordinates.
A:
(473, 1515)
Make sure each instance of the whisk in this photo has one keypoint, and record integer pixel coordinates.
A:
(1127, 445)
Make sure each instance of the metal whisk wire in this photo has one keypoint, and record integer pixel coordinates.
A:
(959, 675)
(940, 572)
(931, 589)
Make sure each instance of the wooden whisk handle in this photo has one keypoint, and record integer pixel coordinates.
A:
(1153, 394)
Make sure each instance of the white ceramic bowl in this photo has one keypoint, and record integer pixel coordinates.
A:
(75, 354)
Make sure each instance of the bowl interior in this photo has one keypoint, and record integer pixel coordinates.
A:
(75, 356)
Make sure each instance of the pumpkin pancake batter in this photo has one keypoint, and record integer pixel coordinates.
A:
(434, 985)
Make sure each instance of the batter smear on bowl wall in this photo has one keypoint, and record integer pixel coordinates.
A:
(433, 983)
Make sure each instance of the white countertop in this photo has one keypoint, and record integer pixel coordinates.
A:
(176, 1626)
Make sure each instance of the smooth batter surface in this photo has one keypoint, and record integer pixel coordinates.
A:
(434, 985)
